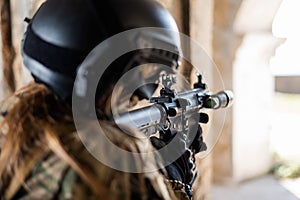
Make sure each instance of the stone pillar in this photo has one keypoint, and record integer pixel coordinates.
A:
(243, 45)
(225, 44)
(254, 87)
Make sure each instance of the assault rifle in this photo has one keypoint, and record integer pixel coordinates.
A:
(173, 110)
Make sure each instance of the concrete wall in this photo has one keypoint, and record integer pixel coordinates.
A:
(287, 84)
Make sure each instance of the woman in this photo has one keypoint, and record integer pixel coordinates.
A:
(41, 156)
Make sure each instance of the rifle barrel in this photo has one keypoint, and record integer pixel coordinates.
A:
(157, 114)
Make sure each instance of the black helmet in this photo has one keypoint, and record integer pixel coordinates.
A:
(63, 32)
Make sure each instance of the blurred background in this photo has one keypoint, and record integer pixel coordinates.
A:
(255, 45)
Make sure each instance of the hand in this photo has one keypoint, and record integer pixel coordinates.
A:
(182, 169)
(198, 144)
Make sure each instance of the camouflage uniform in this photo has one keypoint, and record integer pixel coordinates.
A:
(46, 175)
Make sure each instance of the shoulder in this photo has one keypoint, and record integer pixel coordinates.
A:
(123, 161)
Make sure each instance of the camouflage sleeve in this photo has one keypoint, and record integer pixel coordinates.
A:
(53, 178)
(121, 184)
